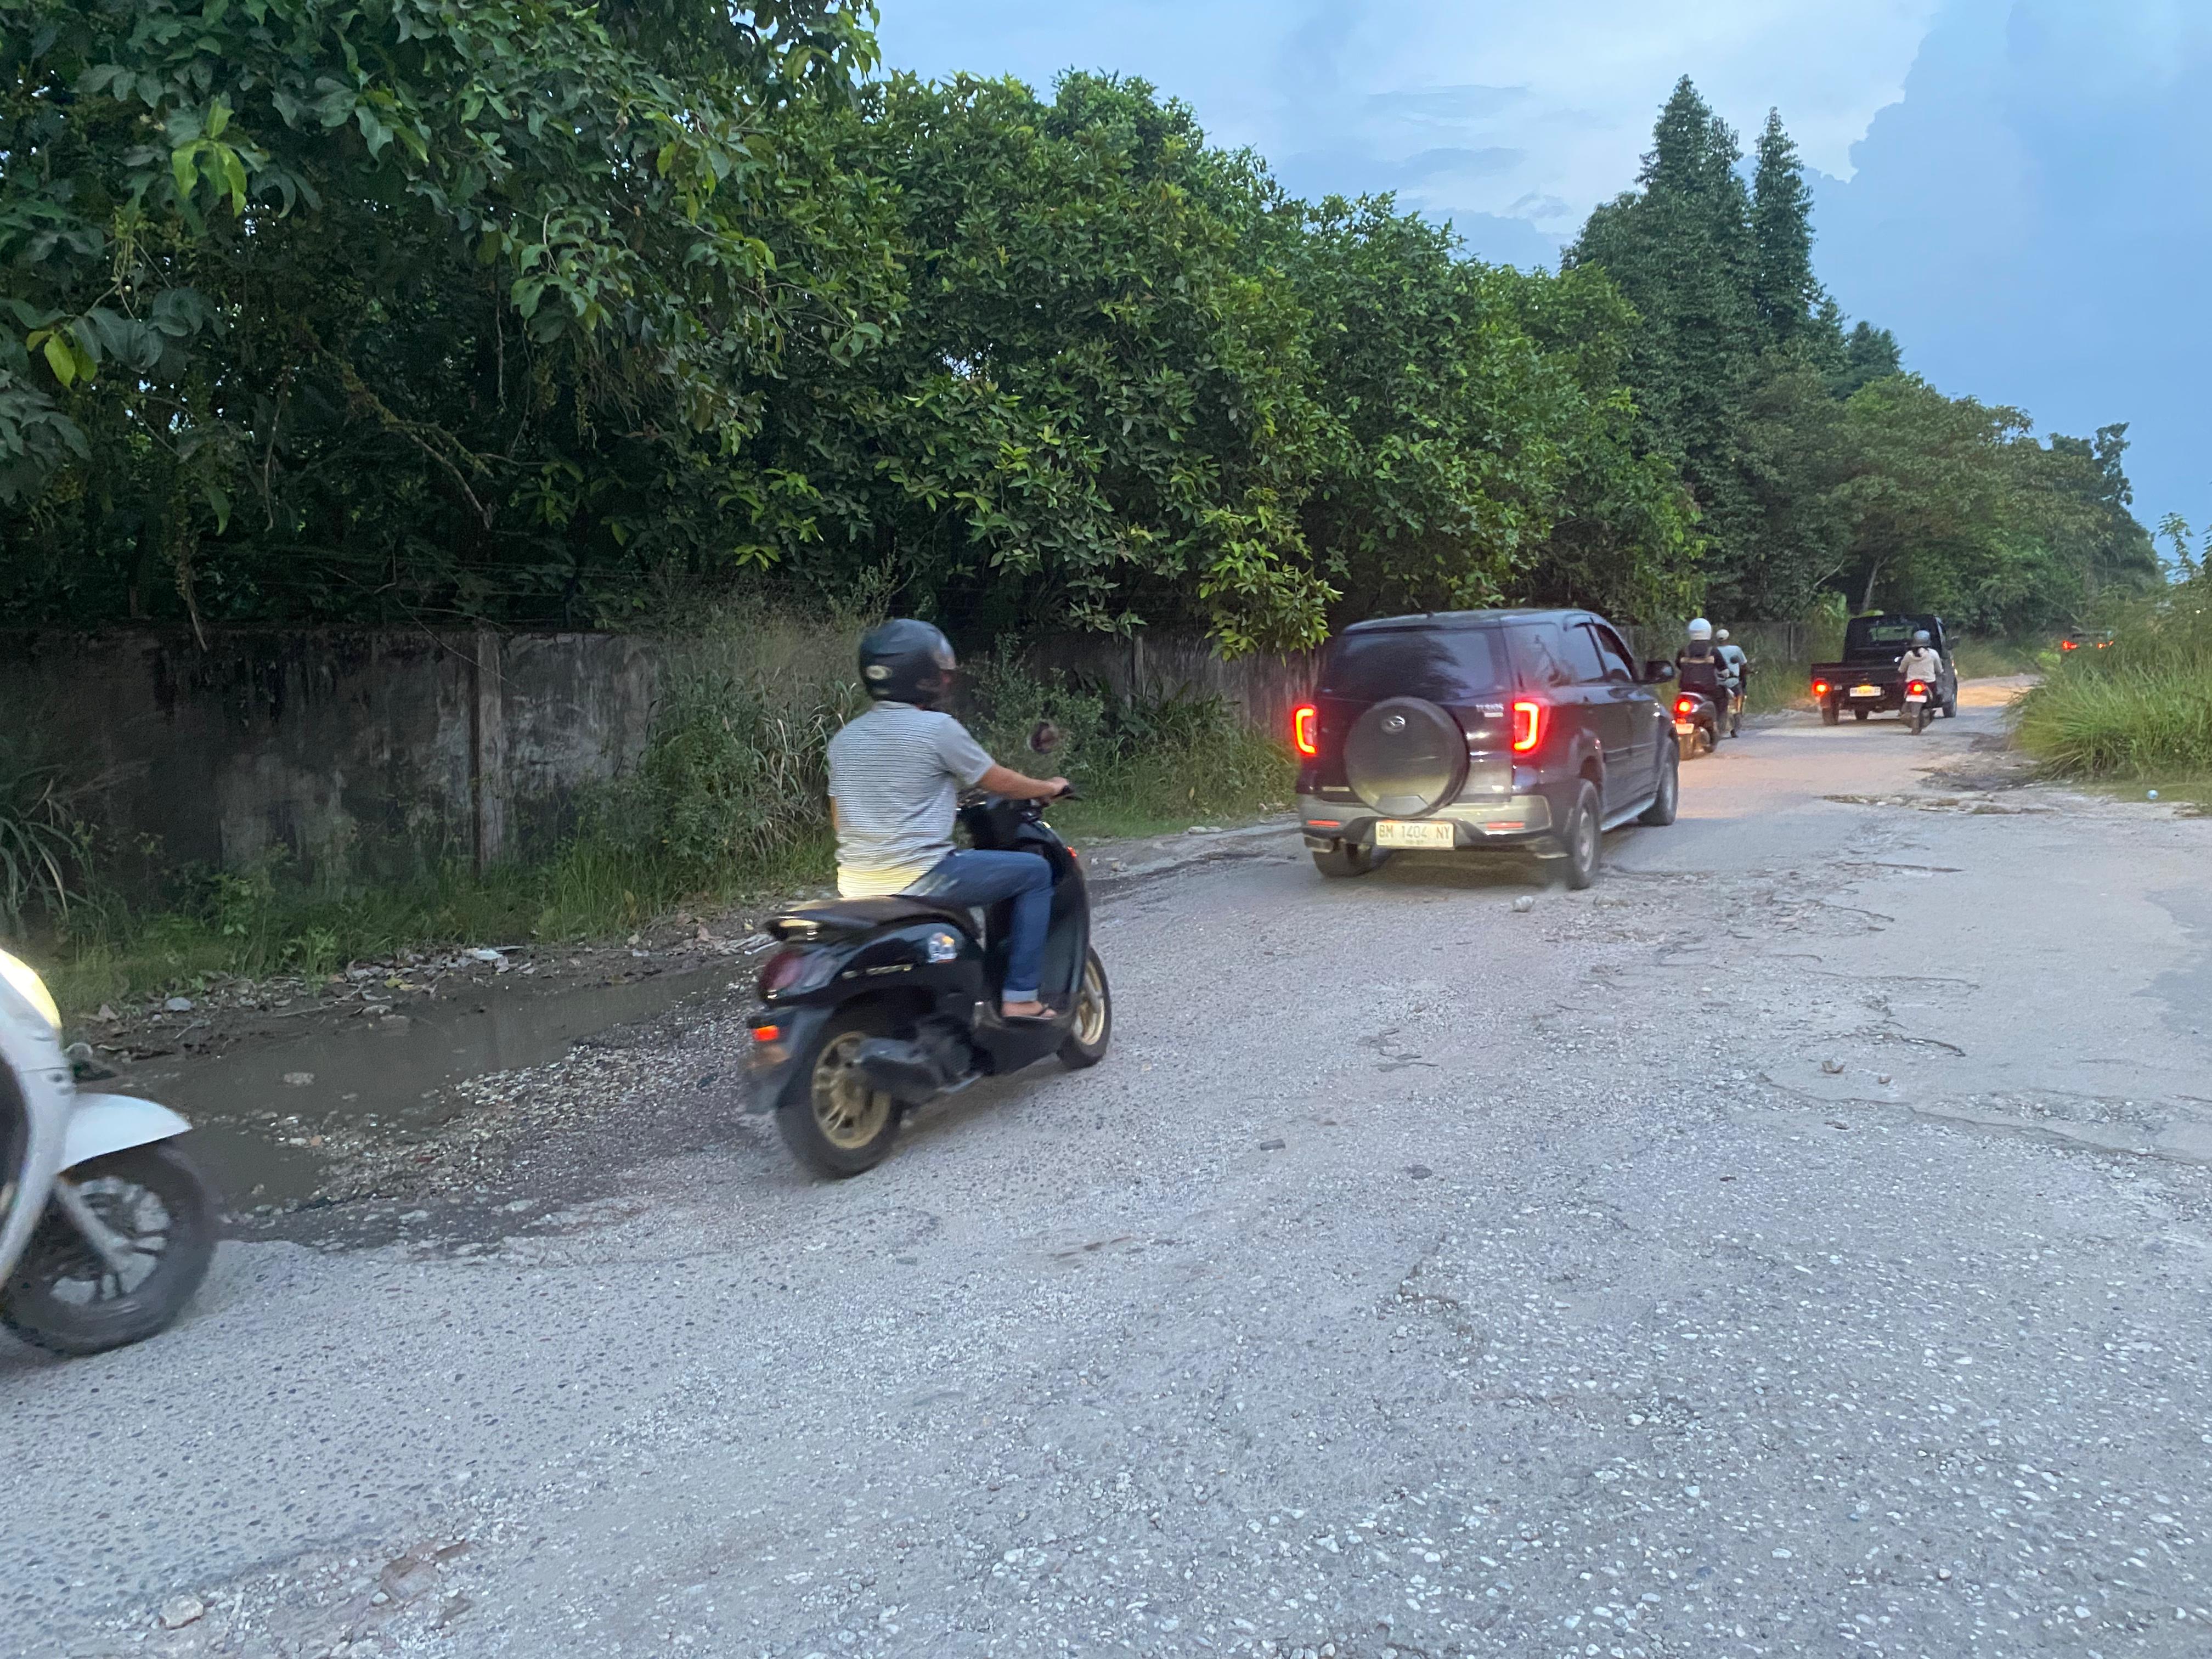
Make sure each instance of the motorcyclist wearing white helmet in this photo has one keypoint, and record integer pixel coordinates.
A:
(1738, 666)
(1698, 665)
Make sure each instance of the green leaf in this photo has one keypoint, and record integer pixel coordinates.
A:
(61, 359)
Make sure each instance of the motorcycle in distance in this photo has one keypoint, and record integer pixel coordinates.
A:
(1917, 695)
(105, 1229)
(1697, 722)
(872, 1006)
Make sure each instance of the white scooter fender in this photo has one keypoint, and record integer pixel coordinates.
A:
(100, 1124)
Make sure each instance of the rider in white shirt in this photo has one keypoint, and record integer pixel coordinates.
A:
(1922, 662)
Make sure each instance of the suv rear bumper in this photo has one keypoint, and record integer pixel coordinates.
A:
(1510, 821)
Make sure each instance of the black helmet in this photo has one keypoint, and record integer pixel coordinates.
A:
(904, 660)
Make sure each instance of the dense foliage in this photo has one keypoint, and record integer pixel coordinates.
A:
(317, 311)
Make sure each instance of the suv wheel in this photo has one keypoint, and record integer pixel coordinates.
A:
(1346, 859)
(1661, 812)
(1579, 839)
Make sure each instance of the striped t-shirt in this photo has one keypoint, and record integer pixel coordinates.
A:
(897, 772)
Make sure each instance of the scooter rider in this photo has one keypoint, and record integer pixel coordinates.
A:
(895, 774)
(1921, 662)
(1698, 665)
(1738, 666)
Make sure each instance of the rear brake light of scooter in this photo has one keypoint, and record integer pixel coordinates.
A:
(1305, 730)
(1918, 688)
(789, 970)
(1684, 706)
(1528, 725)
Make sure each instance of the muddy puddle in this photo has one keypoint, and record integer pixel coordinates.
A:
(263, 1115)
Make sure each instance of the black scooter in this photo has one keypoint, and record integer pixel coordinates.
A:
(872, 1006)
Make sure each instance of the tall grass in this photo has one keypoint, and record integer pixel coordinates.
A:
(2140, 708)
(42, 847)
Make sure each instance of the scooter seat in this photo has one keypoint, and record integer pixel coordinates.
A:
(857, 915)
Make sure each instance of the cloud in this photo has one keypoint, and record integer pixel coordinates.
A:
(2034, 217)
(1459, 163)
(1445, 105)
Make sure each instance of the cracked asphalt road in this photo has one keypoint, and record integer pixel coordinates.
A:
(1800, 1243)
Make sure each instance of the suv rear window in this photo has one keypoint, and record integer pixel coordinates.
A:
(1442, 665)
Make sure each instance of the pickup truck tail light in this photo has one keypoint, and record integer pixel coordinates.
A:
(1528, 725)
(1820, 688)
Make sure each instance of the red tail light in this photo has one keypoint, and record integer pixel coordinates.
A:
(1918, 688)
(1305, 730)
(1528, 725)
(1684, 706)
(783, 971)
(1820, 688)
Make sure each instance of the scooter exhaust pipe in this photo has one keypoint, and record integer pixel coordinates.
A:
(906, 1071)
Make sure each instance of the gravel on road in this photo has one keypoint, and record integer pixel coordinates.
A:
(1798, 1243)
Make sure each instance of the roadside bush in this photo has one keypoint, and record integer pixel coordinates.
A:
(42, 844)
(1144, 763)
(2140, 708)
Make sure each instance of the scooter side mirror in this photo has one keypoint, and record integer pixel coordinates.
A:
(1045, 738)
(1657, 672)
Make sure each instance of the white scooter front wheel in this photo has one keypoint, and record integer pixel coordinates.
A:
(124, 1242)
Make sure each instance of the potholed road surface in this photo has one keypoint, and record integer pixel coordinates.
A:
(1799, 1243)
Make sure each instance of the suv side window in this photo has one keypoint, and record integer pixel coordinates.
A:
(1581, 655)
(1618, 666)
(1539, 655)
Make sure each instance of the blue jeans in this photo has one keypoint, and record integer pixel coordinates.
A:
(969, 877)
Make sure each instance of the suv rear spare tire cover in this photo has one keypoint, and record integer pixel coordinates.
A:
(1405, 757)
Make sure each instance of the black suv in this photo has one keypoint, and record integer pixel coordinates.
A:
(1479, 729)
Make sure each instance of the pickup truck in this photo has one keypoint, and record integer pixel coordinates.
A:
(1867, 678)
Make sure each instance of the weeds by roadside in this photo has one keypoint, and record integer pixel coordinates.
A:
(2142, 708)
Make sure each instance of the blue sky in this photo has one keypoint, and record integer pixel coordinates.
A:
(2022, 189)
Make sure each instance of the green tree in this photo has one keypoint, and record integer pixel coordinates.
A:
(398, 307)
(1783, 290)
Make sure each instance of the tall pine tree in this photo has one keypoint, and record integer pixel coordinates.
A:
(1783, 288)
(1681, 247)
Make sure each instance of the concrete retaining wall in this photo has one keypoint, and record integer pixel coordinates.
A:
(368, 755)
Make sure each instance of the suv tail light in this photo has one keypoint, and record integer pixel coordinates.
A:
(1305, 730)
(1528, 725)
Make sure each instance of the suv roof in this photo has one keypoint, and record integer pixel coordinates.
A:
(1458, 618)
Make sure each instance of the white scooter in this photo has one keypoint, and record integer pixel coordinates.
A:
(105, 1228)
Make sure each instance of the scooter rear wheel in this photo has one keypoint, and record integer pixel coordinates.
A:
(1092, 1028)
(839, 1126)
(62, 1296)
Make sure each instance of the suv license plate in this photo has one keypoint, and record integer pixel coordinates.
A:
(1390, 832)
(1866, 690)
